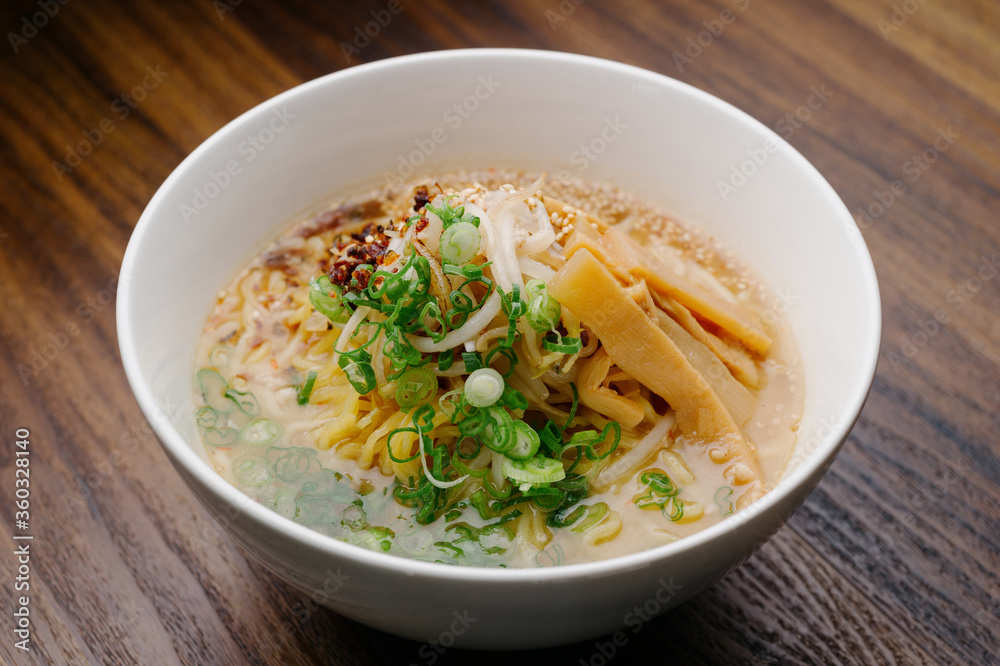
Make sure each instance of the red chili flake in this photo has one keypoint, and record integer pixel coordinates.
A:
(361, 277)
(420, 198)
(367, 246)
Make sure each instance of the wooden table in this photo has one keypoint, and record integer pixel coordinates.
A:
(895, 558)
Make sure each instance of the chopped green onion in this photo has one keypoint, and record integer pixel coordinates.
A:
(468, 455)
(499, 434)
(450, 548)
(449, 403)
(246, 401)
(305, 391)
(479, 501)
(507, 353)
(483, 387)
(251, 470)
(561, 344)
(544, 497)
(423, 417)
(572, 409)
(260, 432)
(213, 387)
(420, 281)
(513, 399)
(399, 351)
(661, 491)
(426, 497)
(658, 482)
(388, 445)
(354, 516)
(465, 470)
(218, 437)
(294, 463)
(207, 417)
(535, 289)
(468, 271)
(474, 423)
(501, 493)
(220, 355)
(722, 500)
(472, 361)
(360, 373)
(326, 297)
(449, 215)
(429, 315)
(390, 284)
(551, 435)
(533, 471)
(595, 514)
(590, 439)
(414, 386)
(543, 311)
(575, 488)
(446, 359)
(459, 243)
(372, 536)
(513, 307)
(526, 443)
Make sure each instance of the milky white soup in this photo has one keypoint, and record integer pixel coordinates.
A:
(491, 370)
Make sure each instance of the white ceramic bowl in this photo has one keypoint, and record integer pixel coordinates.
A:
(599, 120)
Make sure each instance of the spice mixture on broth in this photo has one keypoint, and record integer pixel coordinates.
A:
(490, 370)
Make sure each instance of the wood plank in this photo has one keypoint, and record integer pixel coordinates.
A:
(894, 559)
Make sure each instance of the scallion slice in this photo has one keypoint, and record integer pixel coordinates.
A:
(483, 387)
(207, 417)
(360, 372)
(220, 437)
(305, 391)
(499, 434)
(513, 399)
(543, 311)
(535, 289)
(533, 471)
(446, 359)
(326, 298)
(526, 443)
(220, 355)
(251, 470)
(213, 387)
(414, 386)
(245, 400)
(562, 344)
(460, 243)
(472, 361)
(260, 432)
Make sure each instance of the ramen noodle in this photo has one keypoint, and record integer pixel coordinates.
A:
(491, 370)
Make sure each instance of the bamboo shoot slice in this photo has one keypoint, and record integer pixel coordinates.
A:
(736, 397)
(603, 400)
(738, 320)
(639, 347)
(733, 355)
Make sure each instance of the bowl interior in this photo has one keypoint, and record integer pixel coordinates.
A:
(598, 120)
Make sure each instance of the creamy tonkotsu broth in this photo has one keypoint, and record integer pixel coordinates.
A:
(587, 376)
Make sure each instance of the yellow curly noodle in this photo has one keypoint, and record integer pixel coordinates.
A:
(700, 396)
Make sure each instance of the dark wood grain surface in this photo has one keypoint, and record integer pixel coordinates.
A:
(894, 559)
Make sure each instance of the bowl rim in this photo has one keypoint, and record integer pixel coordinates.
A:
(200, 470)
